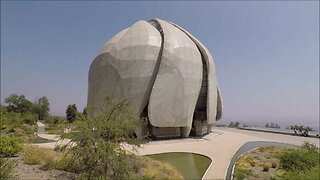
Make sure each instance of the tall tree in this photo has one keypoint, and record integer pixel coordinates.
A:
(42, 108)
(267, 125)
(71, 112)
(18, 103)
(84, 112)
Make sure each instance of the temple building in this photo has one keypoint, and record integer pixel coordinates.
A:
(164, 72)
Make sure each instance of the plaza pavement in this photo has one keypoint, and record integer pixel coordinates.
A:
(220, 146)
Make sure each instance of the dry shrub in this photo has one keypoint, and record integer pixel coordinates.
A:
(251, 161)
(41, 156)
(274, 165)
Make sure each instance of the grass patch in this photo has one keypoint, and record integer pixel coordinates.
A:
(311, 174)
(6, 168)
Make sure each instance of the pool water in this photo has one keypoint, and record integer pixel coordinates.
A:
(41, 140)
(190, 165)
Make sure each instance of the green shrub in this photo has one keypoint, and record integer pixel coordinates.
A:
(265, 167)
(310, 147)
(9, 146)
(241, 172)
(55, 120)
(29, 118)
(311, 174)
(4, 126)
(6, 167)
(299, 159)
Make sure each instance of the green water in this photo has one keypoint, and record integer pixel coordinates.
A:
(190, 165)
(41, 140)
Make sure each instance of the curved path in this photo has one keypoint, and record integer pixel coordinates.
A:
(56, 138)
(220, 146)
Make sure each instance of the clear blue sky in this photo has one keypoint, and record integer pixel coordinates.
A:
(266, 53)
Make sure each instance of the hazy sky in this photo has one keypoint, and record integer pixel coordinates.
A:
(266, 53)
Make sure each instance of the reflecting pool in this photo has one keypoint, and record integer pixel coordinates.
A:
(190, 165)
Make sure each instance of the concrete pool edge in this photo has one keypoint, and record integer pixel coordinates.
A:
(204, 174)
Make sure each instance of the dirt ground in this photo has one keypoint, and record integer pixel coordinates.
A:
(35, 172)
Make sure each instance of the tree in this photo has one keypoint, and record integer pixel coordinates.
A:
(267, 125)
(18, 104)
(96, 146)
(42, 108)
(272, 125)
(71, 112)
(231, 124)
(300, 129)
(84, 112)
(236, 124)
(306, 131)
(294, 128)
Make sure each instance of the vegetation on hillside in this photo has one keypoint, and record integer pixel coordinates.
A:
(272, 125)
(22, 125)
(280, 163)
(19, 117)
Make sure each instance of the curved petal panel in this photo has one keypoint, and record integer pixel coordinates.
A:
(212, 96)
(125, 67)
(178, 82)
(219, 105)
